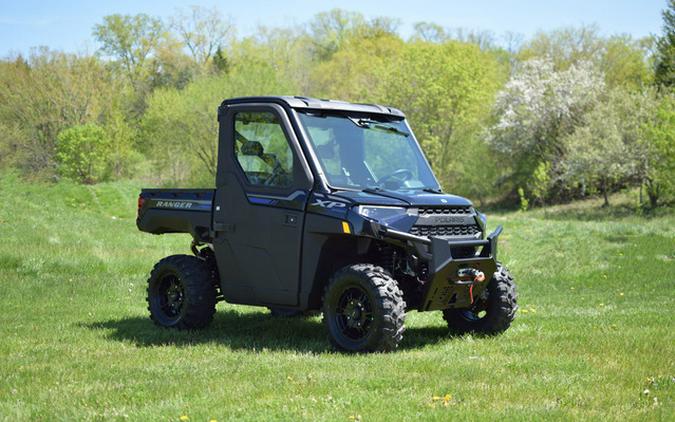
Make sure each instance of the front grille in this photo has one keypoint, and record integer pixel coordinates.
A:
(455, 221)
(441, 231)
(444, 210)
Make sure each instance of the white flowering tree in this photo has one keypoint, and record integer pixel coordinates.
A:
(537, 108)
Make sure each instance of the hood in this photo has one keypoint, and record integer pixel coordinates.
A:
(402, 199)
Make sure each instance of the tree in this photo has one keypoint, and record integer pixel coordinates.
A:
(288, 51)
(608, 149)
(622, 60)
(658, 152)
(122, 155)
(204, 31)
(564, 46)
(329, 31)
(221, 64)
(43, 95)
(356, 71)
(665, 54)
(131, 40)
(447, 90)
(429, 32)
(170, 66)
(624, 63)
(485, 40)
(432, 32)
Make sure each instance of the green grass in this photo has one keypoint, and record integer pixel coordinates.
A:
(595, 337)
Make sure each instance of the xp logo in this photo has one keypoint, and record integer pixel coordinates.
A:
(329, 204)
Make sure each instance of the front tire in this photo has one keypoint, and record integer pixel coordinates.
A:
(490, 315)
(181, 293)
(363, 309)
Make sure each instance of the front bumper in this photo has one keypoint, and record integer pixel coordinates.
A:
(447, 286)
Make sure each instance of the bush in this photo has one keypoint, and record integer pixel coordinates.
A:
(82, 152)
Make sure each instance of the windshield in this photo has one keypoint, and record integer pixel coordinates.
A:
(358, 152)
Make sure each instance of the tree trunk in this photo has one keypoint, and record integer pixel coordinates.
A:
(653, 193)
(653, 201)
(604, 192)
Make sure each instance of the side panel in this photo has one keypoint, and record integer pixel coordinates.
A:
(176, 211)
(325, 246)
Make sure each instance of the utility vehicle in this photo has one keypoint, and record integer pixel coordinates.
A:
(326, 206)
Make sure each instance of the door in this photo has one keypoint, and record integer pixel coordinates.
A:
(262, 189)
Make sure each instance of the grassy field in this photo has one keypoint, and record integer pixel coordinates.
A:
(595, 337)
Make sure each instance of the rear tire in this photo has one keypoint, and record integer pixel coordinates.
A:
(490, 315)
(363, 309)
(181, 293)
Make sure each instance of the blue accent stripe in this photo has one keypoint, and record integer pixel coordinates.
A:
(203, 207)
(263, 201)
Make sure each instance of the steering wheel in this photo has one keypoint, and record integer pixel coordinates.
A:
(401, 175)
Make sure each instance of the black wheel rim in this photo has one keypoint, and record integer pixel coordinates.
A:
(354, 313)
(171, 296)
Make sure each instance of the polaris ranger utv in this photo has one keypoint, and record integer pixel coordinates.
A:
(326, 206)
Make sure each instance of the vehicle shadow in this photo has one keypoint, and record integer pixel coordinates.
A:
(247, 331)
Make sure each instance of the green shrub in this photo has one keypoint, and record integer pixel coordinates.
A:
(524, 202)
(539, 184)
(82, 153)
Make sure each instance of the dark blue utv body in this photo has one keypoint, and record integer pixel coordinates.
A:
(307, 189)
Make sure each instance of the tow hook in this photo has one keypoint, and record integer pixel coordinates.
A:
(470, 276)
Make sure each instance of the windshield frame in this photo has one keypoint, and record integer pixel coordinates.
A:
(349, 115)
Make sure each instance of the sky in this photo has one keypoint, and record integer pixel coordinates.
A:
(67, 25)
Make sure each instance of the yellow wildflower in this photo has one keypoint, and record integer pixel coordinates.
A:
(446, 399)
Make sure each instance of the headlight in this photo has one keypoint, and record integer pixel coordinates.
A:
(381, 214)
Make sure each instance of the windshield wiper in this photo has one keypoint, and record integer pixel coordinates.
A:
(432, 190)
(375, 124)
(385, 193)
(390, 129)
